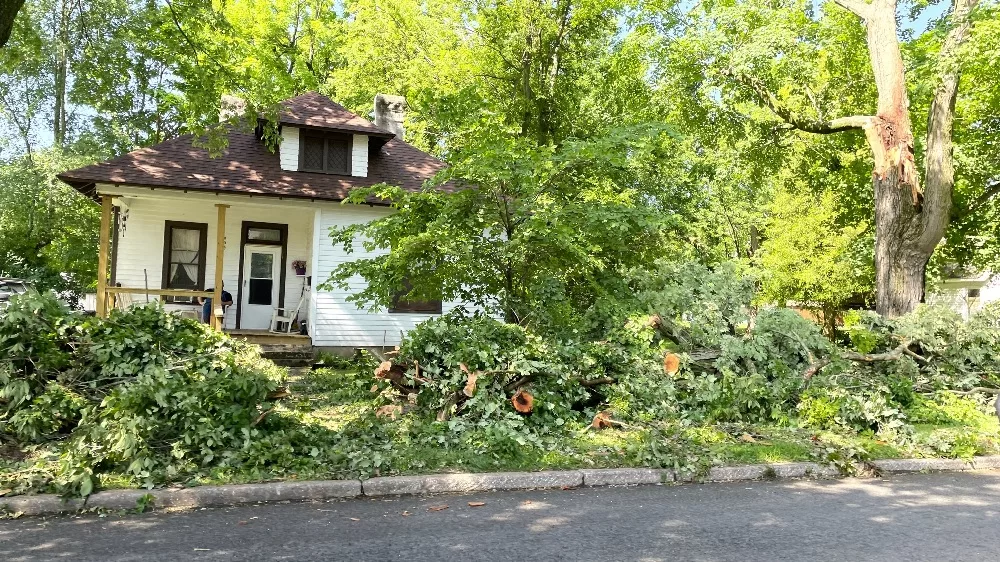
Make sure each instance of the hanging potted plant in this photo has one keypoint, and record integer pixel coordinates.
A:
(299, 266)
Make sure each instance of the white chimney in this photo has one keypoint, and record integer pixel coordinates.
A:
(390, 111)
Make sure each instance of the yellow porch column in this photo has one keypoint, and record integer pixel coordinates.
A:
(102, 257)
(220, 248)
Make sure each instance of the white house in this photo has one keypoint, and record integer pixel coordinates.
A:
(177, 223)
(967, 294)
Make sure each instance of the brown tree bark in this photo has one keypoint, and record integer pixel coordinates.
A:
(8, 11)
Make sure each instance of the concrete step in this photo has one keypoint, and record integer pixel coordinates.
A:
(289, 355)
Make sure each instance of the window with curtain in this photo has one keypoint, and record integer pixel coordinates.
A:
(328, 154)
(184, 257)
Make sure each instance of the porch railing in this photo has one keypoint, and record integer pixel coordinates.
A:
(106, 295)
(113, 296)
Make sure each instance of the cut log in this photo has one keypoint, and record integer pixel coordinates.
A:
(392, 372)
(671, 363)
(391, 411)
(523, 401)
(470, 385)
(602, 420)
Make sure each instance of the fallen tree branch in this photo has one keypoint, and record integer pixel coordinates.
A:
(517, 383)
(814, 368)
(978, 389)
(893, 355)
(598, 382)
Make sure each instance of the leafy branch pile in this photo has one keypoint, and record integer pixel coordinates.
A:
(144, 393)
(696, 350)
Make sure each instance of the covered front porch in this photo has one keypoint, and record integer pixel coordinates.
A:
(250, 256)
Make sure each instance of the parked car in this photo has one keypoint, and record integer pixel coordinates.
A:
(11, 287)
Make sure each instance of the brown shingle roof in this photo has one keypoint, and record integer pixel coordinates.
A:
(248, 167)
(316, 110)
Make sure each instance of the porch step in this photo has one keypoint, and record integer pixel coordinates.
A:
(266, 339)
(289, 355)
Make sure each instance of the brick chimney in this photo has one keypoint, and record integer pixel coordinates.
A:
(390, 111)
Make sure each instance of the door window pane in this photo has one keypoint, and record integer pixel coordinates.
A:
(264, 234)
(261, 266)
(260, 291)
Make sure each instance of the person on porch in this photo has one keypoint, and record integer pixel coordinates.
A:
(206, 304)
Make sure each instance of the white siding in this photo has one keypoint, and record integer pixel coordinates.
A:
(338, 322)
(289, 149)
(332, 320)
(954, 294)
(359, 156)
(140, 242)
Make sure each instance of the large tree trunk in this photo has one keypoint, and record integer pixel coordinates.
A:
(899, 261)
(909, 222)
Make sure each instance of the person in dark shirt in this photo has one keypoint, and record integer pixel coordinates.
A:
(206, 304)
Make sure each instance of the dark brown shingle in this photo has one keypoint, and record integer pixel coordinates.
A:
(316, 110)
(248, 167)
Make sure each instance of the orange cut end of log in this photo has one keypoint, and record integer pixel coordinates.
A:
(523, 401)
(601, 420)
(383, 369)
(671, 363)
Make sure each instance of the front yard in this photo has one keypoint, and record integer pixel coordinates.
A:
(338, 411)
(147, 399)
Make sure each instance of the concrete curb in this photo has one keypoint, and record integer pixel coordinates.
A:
(322, 490)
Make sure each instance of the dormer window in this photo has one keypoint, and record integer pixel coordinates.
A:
(325, 153)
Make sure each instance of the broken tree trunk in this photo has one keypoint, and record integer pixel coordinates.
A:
(910, 220)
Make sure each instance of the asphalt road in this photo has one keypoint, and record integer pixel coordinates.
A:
(912, 518)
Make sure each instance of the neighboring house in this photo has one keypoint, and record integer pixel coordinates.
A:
(966, 294)
(169, 209)
(11, 287)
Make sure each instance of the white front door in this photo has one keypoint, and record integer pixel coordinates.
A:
(261, 280)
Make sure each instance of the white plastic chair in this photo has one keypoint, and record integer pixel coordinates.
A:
(286, 316)
(123, 301)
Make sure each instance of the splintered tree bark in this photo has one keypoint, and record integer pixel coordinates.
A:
(601, 420)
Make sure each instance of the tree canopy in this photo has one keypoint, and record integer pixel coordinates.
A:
(601, 135)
